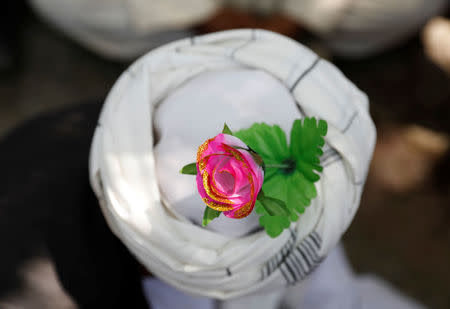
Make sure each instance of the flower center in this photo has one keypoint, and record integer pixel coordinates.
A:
(290, 166)
(225, 182)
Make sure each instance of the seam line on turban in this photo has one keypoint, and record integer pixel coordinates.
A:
(299, 79)
(252, 38)
(348, 125)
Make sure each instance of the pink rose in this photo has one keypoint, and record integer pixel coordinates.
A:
(229, 177)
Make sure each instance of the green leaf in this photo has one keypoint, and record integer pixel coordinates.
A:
(209, 215)
(299, 194)
(190, 169)
(294, 189)
(276, 186)
(294, 185)
(306, 142)
(273, 206)
(268, 141)
(274, 225)
(226, 129)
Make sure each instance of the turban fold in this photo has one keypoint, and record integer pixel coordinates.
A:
(173, 98)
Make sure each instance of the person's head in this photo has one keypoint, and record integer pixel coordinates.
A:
(171, 100)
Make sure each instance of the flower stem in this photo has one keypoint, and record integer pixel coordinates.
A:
(278, 165)
(286, 167)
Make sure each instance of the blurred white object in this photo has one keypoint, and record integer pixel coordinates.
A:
(399, 149)
(334, 285)
(436, 38)
(126, 29)
(366, 27)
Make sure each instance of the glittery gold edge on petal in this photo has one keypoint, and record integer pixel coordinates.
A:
(236, 154)
(202, 163)
(216, 206)
(214, 184)
(210, 192)
(202, 149)
(244, 210)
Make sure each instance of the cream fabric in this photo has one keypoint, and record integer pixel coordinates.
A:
(124, 29)
(163, 107)
(366, 27)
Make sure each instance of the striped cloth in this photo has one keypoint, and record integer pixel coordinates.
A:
(173, 98)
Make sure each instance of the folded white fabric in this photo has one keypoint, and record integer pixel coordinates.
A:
(172, 99)
(333, 285)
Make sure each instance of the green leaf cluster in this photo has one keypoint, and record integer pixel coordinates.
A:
(290, 170)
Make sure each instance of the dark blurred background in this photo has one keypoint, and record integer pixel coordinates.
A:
(402, 230)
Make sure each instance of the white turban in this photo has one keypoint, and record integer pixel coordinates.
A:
(124, 29)
(168, 102)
